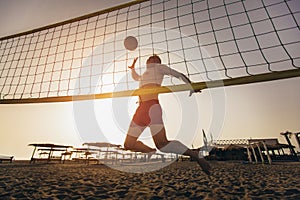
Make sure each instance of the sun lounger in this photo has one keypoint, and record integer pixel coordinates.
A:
(6, 158)
(136, 156)
(46, 152)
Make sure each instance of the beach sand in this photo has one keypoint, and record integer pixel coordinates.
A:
(180, 180)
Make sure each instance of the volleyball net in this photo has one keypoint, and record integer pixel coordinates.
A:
(214, 42)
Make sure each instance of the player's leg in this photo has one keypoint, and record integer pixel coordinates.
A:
(163, 144)
(138, 124)
(173, 146)
(159, 133)
(131, 141)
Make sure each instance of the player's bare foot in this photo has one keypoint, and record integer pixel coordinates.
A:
(204, 165)
(201, 161)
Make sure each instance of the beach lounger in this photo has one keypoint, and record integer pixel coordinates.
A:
(136, 157)
(46, 152)
(6, 158)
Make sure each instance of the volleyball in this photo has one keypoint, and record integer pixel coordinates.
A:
(130, 43)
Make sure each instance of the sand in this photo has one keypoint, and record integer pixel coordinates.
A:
(180, 180)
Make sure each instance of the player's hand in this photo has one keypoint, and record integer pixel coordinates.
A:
(194, 91)
(133, 64)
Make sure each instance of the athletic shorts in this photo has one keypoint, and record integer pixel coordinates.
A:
(148, 113)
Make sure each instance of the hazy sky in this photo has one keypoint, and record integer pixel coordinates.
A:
(256, 110)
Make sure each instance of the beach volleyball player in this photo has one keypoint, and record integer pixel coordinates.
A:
(149, 113)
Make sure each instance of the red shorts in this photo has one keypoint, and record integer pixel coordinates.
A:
(148, 113)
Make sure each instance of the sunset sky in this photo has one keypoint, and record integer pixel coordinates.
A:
(262, 110)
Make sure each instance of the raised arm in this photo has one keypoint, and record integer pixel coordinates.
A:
(134, 75)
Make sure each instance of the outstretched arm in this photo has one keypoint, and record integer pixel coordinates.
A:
(184, 78)
(134, 75)
(181, 76)
(172, 72)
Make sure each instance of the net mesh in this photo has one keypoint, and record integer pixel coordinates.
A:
(206, 40)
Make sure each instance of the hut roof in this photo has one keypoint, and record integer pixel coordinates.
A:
(49, 145)
(101, 144)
